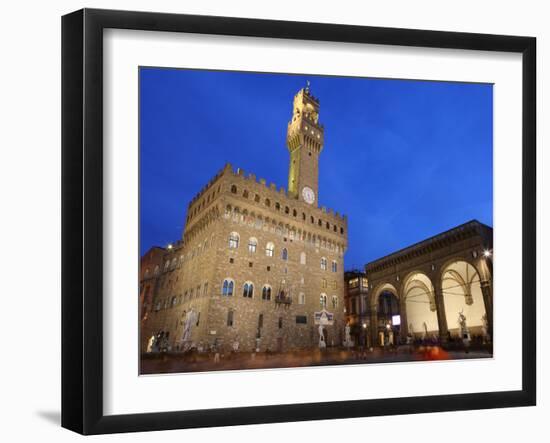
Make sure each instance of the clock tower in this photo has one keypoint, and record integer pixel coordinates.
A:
(305, 138)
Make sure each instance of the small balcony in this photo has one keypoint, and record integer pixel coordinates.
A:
(283, 298)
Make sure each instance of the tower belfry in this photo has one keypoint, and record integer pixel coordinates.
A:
(305, 138)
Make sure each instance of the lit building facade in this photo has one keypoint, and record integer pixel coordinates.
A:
(420, 291)
(256, 265)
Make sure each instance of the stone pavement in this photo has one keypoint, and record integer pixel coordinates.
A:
(178, 362)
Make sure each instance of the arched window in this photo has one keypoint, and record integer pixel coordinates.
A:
(248, 290)
(252, 244)
(302, 298)
(166, 265)
(323, 301)
(277, 206)
(320, 222)
(323, 263)
(287, 209)
(334, 301)
(173, 302)
(328, 225)
(174, 262)
(233, 189)
(245, 193)
(266, 292)
(227, 287)
(269, 249)
(233, 240)
(257, 198)
(294, 213)
(284, 254)
(302, 258)
(157, 270)
(303, 215)
(323, 283)
(267, 202)
(312, 219)
(334, 266)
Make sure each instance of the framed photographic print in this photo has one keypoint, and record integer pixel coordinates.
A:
(269, 221)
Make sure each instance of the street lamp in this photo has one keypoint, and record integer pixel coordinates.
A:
(486, 253)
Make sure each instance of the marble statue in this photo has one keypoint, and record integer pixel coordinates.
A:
(188, 323)
(322, 343)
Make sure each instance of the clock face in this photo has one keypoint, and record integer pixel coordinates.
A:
(308, 195)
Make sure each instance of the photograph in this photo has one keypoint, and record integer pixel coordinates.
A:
(292, 220)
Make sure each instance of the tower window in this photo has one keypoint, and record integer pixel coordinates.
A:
(230, 317)
(280, 322)
(248, 290)
(334, 266)
(233, 189)
(227, 288)
(269, 249)
(294, 213)
(267, 202)
(277, 206)
(257, 198)
(303, 215)
(284, 254)
(323, 263)
(341, 230)
(245, 193)
(302, 298)
(287, 209)
(233, 240)
(320, 223)
(334, 301)
(312, 219)
(252, 244)
(328, 225)
(266, 293)
(323, 301)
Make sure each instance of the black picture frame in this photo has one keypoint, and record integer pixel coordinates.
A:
(82, 218)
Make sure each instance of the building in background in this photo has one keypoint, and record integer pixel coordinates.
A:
(421, 291)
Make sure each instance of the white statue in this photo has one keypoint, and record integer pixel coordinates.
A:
(464, 331)
(150, 343)
(188, 323)
(322, 343)
(347, 336)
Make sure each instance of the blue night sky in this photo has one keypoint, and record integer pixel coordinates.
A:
(404, 160)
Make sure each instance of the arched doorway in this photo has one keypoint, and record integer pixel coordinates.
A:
(462, 295)
(420, 306)
(389, 319)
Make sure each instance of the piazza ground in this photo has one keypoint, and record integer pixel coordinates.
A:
(164, 363)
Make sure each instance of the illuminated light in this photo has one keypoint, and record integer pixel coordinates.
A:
(486, 253)
(364, 326)
(170, 246)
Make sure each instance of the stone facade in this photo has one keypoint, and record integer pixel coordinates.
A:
(255, 263)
